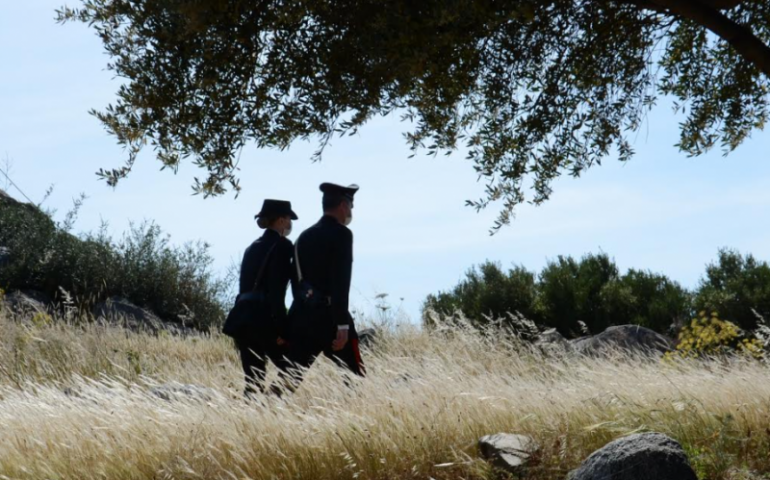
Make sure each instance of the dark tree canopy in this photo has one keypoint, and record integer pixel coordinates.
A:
(534, 89)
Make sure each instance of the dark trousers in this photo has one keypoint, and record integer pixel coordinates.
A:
(304, 352)
(254, 357)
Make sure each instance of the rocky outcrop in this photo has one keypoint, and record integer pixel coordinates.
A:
(629, 338)
(119, 311)
(644, 456)
(25, 302)
(507, 451)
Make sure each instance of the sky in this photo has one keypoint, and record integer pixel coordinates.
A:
(413, 234)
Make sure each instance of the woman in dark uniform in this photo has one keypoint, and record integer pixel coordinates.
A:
(266, 270)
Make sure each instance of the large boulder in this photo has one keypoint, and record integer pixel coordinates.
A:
(118, 310)
(27, 302)
(644, 456)
(630, 338)
(507, 451)
(552, 342)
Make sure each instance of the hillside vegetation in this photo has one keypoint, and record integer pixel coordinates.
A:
(175, 282)
(78, 402)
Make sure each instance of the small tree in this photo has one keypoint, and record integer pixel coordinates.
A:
(735, 285)
(487, 290)
(571, 291)
(566, 293)
(648, 299)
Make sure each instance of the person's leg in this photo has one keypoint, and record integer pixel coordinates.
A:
(301, 356)
(280, 358)
(254, 367)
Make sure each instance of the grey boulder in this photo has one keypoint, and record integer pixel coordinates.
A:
(367, 337)
(507, 451)
(643, 456)
(26, 302)
(118, 310)
(629, 338)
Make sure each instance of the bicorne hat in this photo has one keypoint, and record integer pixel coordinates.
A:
(276, 208)
(334, 189)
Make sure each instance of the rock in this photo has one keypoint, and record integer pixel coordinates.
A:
(551, 342)
(118, 310)
(367, 337)
(179, 391)
(632, 338)
(644, 456)
(24, 302)
(507, 451)
(551, 336)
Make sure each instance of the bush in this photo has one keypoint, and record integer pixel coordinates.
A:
(710, 336)
(568, 295)
(174, 282)
(571, 292)
(648, 299)
(734, 286)
(488, 291)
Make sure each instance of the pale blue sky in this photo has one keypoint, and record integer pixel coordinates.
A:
(413, 234)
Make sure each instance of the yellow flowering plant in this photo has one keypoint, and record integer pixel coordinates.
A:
(708, 335)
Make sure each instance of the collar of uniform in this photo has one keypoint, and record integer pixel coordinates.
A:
(269, 232)
(329, 219)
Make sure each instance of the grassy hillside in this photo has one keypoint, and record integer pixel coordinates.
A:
(75, 402)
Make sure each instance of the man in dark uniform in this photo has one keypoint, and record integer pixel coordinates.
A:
(320, 320)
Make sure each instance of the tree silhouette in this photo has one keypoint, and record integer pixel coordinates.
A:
(533, 89)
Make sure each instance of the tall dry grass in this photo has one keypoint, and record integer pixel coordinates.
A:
(76, 402)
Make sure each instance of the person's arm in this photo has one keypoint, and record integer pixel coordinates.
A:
(248, 272)
(341, 275)
(278, 274)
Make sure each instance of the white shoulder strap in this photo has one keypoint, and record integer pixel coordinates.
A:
(296, 261)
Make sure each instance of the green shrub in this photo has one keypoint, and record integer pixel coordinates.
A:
(571, 292)
(648, 299)
(174, 282)
(735, 286)
(488, 291)
(568, 295)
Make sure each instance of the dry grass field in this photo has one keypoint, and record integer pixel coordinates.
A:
(77, 403)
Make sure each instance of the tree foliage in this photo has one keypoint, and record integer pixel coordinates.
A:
(489, 292)
(533, 89)
(736, 286)
(571, 292)
(569, 295)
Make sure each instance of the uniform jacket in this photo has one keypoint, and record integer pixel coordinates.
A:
(325, 253)
(276, 275)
